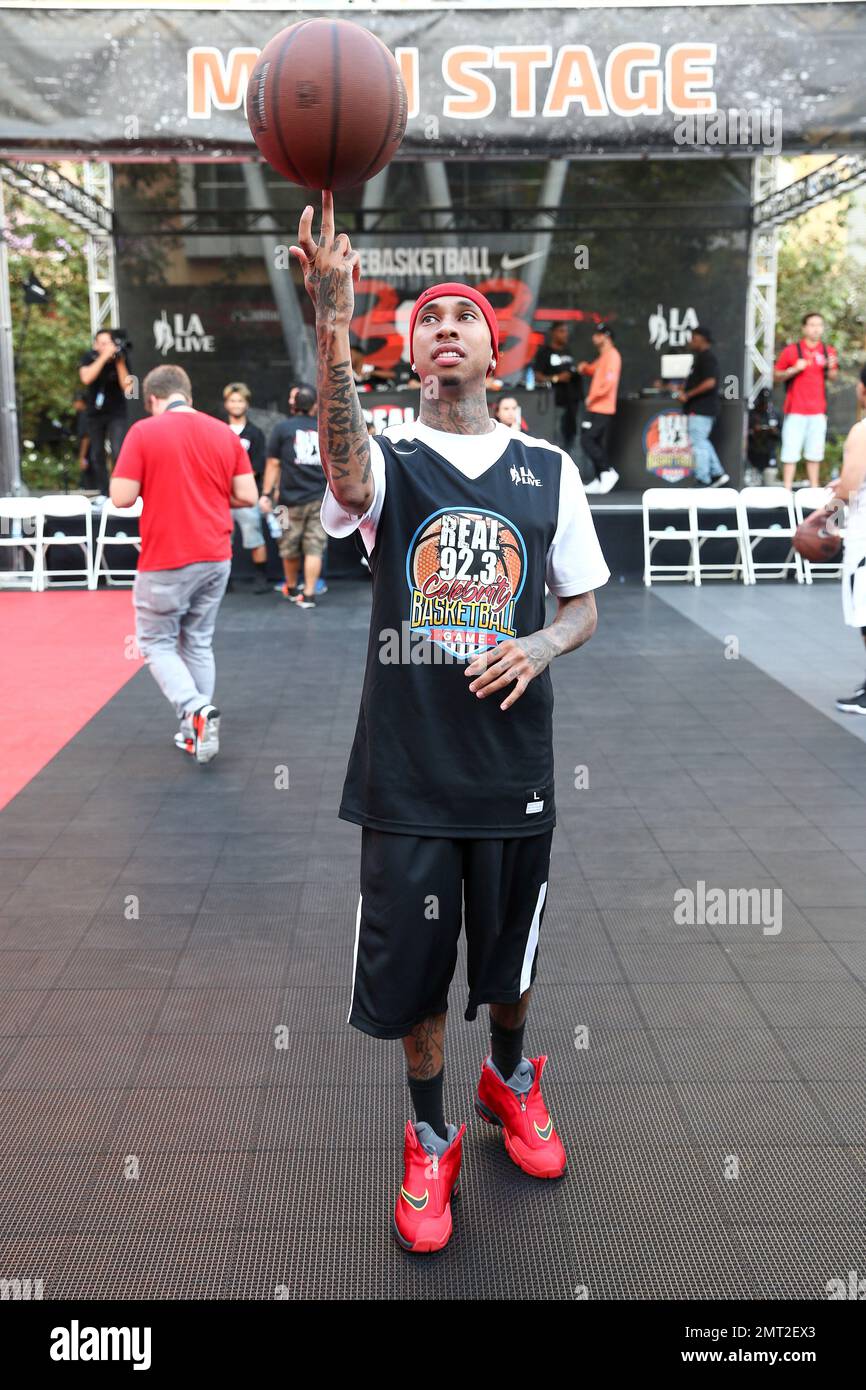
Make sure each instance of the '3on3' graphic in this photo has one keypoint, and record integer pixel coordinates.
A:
(465, 569)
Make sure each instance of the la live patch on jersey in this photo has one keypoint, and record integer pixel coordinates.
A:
(463, 533)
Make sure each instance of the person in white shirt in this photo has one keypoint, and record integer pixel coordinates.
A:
(851, 488)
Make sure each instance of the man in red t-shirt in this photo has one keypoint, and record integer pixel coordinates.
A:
(804, 366)
(189, 470)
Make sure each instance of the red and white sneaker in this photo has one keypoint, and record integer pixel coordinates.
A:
(422, 1216)
(206, 733)
(518, 1108)
(184, 738)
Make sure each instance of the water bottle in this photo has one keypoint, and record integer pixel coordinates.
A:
(274, 526)
(529, 378)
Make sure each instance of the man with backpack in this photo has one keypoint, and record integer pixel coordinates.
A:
(805, 367)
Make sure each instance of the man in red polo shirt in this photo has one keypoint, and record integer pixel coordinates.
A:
(189, 470)
(804, 367)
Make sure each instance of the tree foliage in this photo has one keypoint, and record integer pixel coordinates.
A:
(816, 272)
(48, 341)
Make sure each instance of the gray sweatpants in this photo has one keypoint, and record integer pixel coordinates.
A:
(175, 617)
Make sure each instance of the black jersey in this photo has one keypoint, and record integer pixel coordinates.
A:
(458, 566)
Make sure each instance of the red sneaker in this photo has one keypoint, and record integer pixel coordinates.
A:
(530, 1138)
(422, 1216)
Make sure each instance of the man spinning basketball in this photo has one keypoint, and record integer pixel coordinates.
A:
(451, 770)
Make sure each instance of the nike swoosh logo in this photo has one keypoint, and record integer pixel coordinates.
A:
(512, 262)
(419, 1203)
(547, 1131)
(410, 450)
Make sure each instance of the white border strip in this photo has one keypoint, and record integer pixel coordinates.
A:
(378, 6)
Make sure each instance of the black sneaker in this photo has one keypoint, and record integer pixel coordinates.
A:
(260, 585)
(305, 600)
(855, 704)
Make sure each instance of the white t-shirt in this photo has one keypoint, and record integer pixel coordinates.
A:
(575, 563)
(856, 524)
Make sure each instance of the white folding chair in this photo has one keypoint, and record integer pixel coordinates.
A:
(707, 502)
(668, 501)
(769, 499)
(21, 531)
(806, 501)
(116, 577)
(62, 506)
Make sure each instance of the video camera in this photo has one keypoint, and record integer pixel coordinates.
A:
(121, 341)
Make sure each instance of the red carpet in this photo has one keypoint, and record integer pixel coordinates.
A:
(62, 657)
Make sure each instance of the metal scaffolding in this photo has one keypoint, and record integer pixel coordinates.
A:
(101, 279)
(773, 205)
(10, 459)
(761, 304)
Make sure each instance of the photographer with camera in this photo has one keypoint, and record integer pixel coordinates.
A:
(105, 372)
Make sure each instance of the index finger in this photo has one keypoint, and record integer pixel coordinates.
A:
(327, 214)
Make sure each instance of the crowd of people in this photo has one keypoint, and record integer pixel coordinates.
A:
(287, 467)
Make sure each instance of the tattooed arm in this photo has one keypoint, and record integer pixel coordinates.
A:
(330, 269)
(521, 659)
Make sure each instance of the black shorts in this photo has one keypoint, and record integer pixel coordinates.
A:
(414, 892)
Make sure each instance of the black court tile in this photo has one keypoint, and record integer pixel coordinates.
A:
(205, 1011)
(690, 1005)
(777, 958)
(78, 1011)
(720, 1055)
(60, 1063)
(56, 1121)
(817, 1003)
(757, 1187)
(129, 897)
(177, 1263)
(186, 1114)
(33, 899)
(231, 965)
(644, 963)
(167, 1192)
(104, 968)
(41, 1196)
(112, 931)
(187, 1118)
(798, 1259)
(774, 1113)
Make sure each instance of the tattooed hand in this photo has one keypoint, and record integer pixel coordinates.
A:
(331, 269)
(520, 659)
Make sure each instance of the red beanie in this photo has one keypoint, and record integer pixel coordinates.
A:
(452, 287)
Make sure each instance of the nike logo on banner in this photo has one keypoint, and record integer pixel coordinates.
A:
(512, 262)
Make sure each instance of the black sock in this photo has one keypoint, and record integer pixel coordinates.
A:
(427, 1099)
(506, 1047)
(261, 568)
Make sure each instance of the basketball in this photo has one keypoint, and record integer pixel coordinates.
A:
(326, 104)
(815, 539)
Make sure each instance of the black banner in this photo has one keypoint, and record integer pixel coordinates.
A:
(144, 83)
